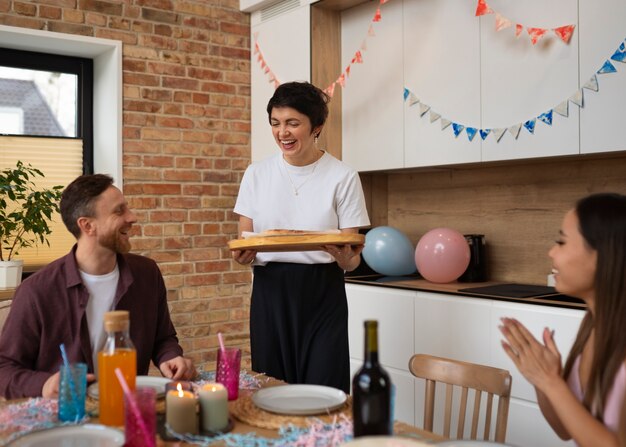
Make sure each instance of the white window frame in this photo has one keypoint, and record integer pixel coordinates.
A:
(107, 88)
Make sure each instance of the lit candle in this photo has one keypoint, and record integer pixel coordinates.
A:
(181, 411)
(214, 407)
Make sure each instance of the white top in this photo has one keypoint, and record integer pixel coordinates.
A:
(329, 197)
(101, 294)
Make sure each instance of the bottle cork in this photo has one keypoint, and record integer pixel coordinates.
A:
(116, 321)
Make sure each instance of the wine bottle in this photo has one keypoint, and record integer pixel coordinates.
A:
(371, 391)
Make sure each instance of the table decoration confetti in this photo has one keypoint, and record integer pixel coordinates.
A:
(33, 414)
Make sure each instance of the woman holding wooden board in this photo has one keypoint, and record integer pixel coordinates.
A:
(299, 312)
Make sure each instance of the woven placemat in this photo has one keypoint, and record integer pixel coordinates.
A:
(245, 410)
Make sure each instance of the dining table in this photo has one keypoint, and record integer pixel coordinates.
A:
(245, 419)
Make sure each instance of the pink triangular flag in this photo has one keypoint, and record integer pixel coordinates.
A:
(502, 22)
(565, 32)
(518, 29)
(536, 34)
(256, 48)
(377, 16)
(267, 70)
(348, 70)
(382, 2)
(370, 31)
(483, 8)
(358, 57)
(330, 90)
(342, 80)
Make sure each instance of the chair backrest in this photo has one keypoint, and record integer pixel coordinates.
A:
(483, 379)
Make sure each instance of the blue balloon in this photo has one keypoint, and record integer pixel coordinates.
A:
(389, 252)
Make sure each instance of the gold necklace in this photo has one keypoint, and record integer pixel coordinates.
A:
(293, 185)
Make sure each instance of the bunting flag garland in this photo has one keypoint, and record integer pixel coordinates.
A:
(342, 78)
(562, 32)
(546, 117)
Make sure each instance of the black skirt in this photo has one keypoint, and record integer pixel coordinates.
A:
(299, 324)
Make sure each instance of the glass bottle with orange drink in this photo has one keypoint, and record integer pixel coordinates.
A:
(118, 352)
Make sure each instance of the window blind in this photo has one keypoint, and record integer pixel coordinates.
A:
(61, 161)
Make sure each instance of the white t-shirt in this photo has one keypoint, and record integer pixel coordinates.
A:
(101, 295)
(329, 197)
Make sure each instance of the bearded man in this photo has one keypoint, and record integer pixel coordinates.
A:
(65, 301)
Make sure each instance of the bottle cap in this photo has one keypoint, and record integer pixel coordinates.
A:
(116, 320)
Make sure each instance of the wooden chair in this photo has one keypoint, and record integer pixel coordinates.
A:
(493, 381)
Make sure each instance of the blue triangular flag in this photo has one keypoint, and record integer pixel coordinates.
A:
(471, 132)
(530, 125)
(619, 55)
(607, 68)
(484, 133)
(406, 93)
(546, 117)
(457, 128)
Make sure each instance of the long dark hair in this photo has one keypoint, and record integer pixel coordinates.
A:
(602, 223)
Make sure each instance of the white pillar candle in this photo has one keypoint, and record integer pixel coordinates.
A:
(214, 407)
(181, 411)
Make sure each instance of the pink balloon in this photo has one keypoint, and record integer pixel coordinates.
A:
(442, 255)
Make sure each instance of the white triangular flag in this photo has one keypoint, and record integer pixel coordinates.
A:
(577, 98)
(445, 123)
(563, 108)
(413, 99)
(514, 130)
(592, 84)
(498, 133)
(434, 116)
(423, 108)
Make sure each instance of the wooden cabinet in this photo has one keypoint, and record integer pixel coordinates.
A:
(283, 35)
(458, 327)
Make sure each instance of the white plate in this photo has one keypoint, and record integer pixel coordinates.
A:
(470, 443)
(158, 383)
(385, 441)
(299, 399)
(88, 435)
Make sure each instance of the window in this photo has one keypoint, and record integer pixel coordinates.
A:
(46, 120)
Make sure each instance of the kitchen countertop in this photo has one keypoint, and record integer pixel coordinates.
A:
(414, 282)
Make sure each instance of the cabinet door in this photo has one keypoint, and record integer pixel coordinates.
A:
(601, 31)
(527, 426)
(453, 326)
(513, 92)
(372, 102)
(442, 68)
(394, 311)
(285, 43)
(564, 322)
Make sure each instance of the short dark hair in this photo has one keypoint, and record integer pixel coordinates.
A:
(79, 197)
(303, 97)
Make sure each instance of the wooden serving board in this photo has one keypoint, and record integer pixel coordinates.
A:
(296, 242)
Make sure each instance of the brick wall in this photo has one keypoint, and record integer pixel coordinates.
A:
(186, 144)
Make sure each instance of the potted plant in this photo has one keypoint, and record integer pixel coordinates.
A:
(25, 211)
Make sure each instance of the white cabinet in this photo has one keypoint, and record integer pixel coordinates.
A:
(394, 311)
(466, 71)
(564, 322)
(442, 68)
(601, 31)
(461, 328)
(453, 326)
(283, 36)
(372, 129)
(512, 92)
